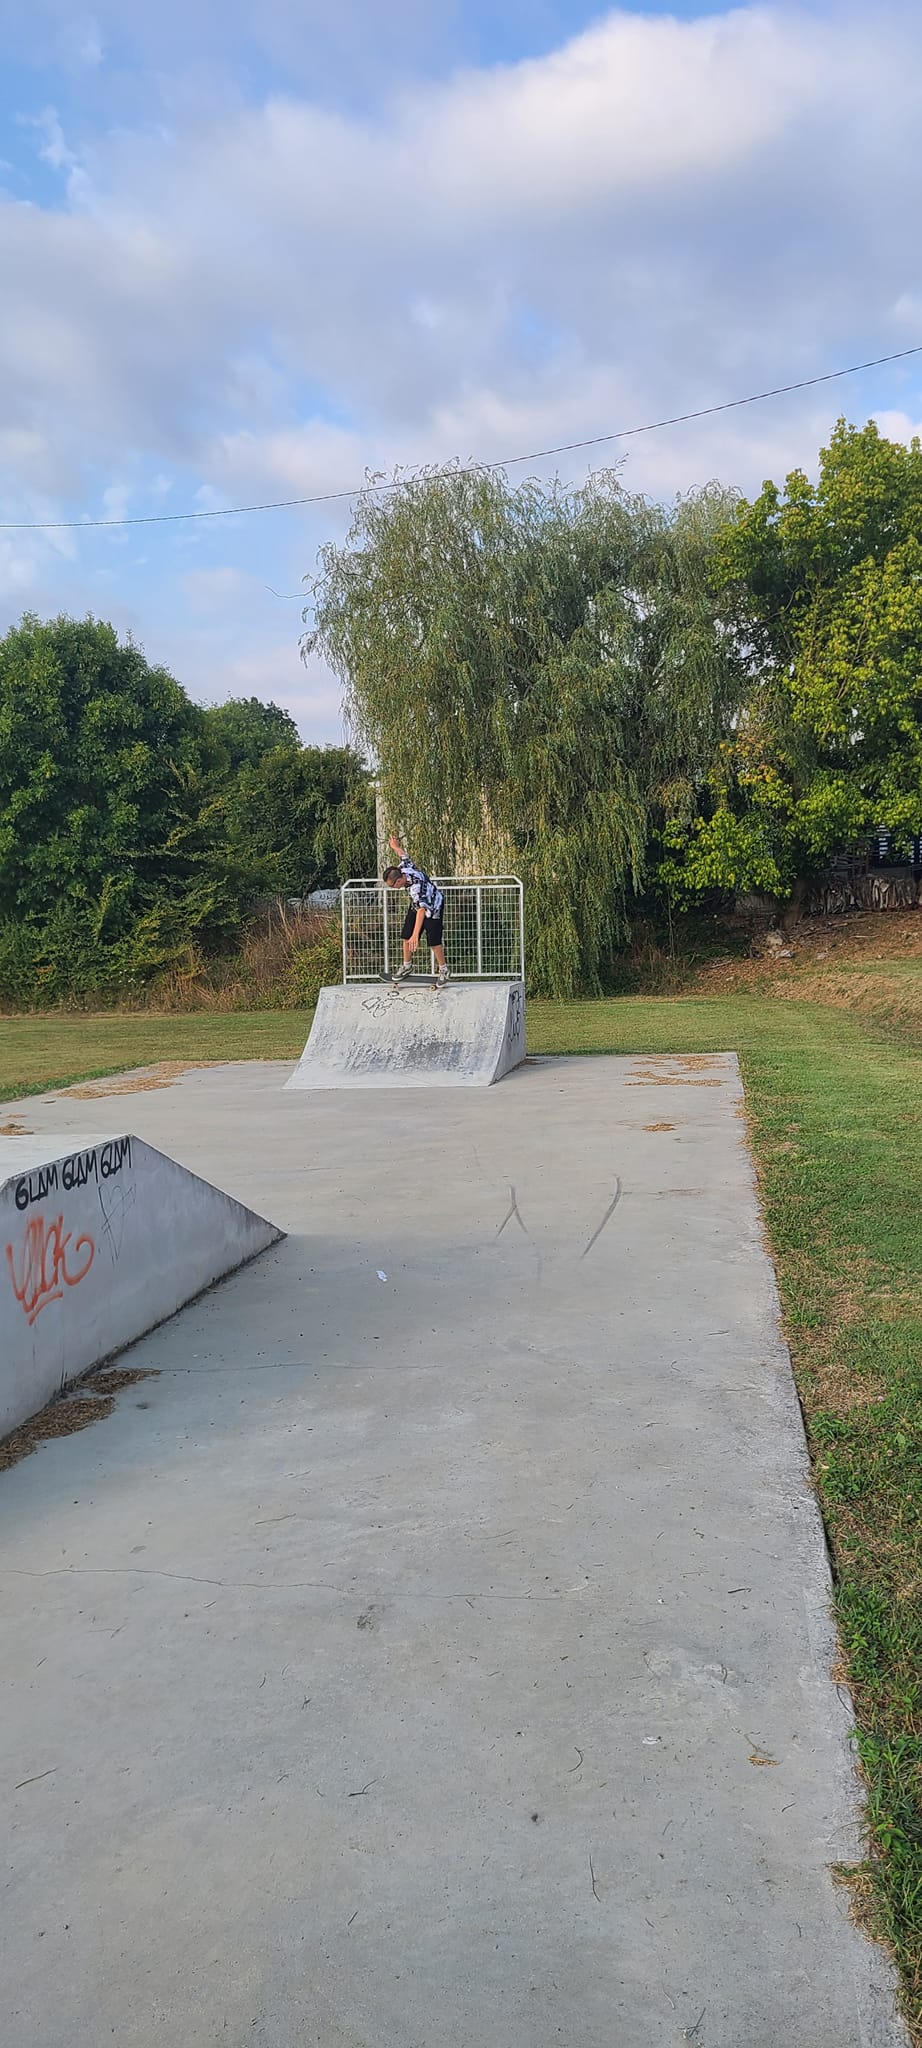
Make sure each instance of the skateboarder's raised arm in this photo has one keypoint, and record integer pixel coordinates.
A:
(410, 871)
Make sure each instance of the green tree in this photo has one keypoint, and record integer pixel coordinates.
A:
(826, 584)
(243, 729)
(100, 756)
(790, 546)
(539, 675)
(301, 819)
(125, 834)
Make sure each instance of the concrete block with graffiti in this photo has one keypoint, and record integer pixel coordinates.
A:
(99, 1241)
(466, 1035)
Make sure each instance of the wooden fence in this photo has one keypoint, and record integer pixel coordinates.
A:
(854, 884)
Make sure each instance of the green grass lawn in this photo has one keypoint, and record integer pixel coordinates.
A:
(835, 1113)
(53, 1050)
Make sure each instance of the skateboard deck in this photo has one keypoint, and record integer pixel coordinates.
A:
(411, 981)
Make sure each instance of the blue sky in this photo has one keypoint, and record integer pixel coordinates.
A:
(248, 251)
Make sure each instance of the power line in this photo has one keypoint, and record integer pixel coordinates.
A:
(679, 419)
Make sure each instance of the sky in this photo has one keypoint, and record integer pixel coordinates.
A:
(251, 252)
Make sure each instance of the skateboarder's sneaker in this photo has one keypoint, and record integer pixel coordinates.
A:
(444, 974)
(403, 970)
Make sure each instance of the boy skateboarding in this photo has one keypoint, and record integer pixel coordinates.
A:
(427, 906)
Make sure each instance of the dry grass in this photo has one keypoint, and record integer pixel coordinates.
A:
(649, 1080)
(870, 962)
(162, 1075)
(263, 974)
(661, 1071)
(89, 1400)
(695, 1062)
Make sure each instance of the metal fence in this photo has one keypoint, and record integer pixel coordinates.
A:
(483, 923)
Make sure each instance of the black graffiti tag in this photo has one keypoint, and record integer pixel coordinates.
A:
(100, 1163)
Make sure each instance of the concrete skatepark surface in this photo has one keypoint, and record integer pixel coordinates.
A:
(370, 1034)
(436, 1655)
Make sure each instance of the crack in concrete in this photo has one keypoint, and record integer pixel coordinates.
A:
(250, 1585)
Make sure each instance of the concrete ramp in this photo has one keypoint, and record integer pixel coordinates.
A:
(100, 1239)
(466, 1035)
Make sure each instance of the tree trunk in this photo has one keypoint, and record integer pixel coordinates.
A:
(794, 909)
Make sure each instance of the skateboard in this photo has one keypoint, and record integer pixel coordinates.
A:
(411, 981)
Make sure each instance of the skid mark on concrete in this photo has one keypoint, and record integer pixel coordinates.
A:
(612, 1206)
(513, 1210)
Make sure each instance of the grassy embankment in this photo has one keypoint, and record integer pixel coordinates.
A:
(834, 1097)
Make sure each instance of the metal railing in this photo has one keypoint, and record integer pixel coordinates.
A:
(484, 926)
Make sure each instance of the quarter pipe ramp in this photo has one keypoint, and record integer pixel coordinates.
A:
(100, 1239)
(466, 1035)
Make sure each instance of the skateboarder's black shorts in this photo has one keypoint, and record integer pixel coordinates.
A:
(432, 927)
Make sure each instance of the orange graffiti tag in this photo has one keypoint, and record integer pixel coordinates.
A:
(44, 1268)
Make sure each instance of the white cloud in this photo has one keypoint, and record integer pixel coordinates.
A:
(212, 590)
(627, 107)
(273, 670)
(55, 151)
(86, 42)
(664, 197)
(287, 461)
(252, 302)
(116, 501)
(30, 463)
(898, 426)
(18, 572)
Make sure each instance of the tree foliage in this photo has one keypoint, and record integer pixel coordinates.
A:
(98, 755)
(539, 675)
(304, 817)
(133, 824)
(826, 584)
(244, 729)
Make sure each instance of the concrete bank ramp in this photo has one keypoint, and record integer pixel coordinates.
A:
(100, 1239)
(466, 1035)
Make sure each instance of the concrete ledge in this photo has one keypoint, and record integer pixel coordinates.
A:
(466, 1035)
(101, 1239)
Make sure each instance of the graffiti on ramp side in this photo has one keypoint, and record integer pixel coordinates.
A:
(47, 1261)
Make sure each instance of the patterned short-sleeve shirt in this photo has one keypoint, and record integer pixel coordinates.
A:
(424, 892)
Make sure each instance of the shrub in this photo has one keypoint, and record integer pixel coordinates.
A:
(317, 965)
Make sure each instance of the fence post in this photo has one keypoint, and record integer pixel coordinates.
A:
(387, 963)
(521, 932)
(342, 905)
(479, 934)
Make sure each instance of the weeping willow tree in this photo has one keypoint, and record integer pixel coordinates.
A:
(536, 674)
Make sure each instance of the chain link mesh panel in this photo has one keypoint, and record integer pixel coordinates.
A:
(483, 929)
